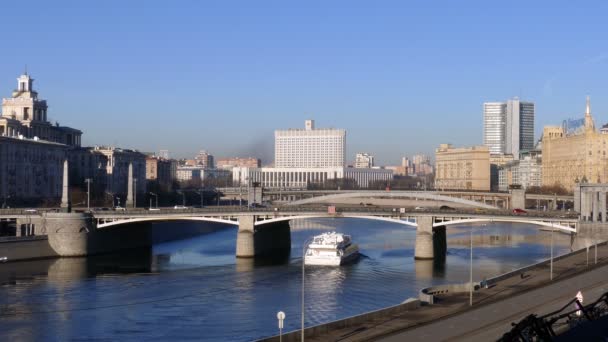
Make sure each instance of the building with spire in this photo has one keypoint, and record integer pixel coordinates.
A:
(569, 159)
(25, 115)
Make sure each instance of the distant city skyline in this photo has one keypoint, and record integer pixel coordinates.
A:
(223, 77)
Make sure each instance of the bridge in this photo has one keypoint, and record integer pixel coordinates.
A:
(261, 231)
(504, 200)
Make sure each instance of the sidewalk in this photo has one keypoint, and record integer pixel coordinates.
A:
(507, 301)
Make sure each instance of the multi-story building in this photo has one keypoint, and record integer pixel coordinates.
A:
(568, 159)
(364, 161)
(310, 147)
(229, 163)
(508, 127)
(24, 114)
(188, 173)
(398, 170)
(305, 157)
(117, 169)
(30, 169)
(162, 171)
(301, 178)
(205, 160)
(87, 163)
(525, 172)
(496, 162)
(462, 168)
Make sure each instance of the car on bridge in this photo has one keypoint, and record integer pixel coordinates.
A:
(518, 211)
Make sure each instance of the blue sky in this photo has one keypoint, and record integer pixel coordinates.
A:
(399, 76)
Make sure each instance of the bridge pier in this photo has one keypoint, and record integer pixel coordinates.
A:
(270, 239)
(430, 243)
(76, 234)
(518, 199)
(424, 238)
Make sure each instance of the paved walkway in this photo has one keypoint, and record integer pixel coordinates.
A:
(493, 309)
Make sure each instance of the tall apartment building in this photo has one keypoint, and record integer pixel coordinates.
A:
(309, 147)
(508, 127)
(24, 114)
(466, 168)
(568, 159)
(205, 160)
(364, 161)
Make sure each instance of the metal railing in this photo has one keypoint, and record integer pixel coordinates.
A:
(549, 326)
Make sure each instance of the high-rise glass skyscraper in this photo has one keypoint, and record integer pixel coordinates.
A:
(508, 127)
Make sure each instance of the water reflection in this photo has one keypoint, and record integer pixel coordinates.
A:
(196, 289)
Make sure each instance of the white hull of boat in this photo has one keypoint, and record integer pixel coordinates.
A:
(332, 260)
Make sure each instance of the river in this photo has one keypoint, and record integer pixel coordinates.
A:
(195, 289)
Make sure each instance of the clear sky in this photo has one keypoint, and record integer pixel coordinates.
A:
(399, 76)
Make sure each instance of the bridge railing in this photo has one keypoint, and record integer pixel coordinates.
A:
(393, 211)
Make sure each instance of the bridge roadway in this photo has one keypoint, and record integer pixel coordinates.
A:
(261, 231)
(512, 199)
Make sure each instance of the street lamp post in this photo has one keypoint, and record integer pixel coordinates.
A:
(88, 181)
(248, 191)
(551, 277)
(5, 198)
(155, 197)
(280, 186)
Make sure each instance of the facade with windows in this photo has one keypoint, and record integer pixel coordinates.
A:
(364, 161)
(301, 178)
(466, 168)
(117, 169)
(310, 147)
(30, 168)
(525, 172)
(508, 127)
(569, 159)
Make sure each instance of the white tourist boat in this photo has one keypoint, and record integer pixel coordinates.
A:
(331, 249)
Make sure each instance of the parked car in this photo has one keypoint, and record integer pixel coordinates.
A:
(517, 211)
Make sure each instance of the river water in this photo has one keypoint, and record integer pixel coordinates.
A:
(195, 289)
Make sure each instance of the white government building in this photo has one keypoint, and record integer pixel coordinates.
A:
(308, 156)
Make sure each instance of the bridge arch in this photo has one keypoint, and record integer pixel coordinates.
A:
(549, 224)
(165, 219)
(395, 194)
(366, 217)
